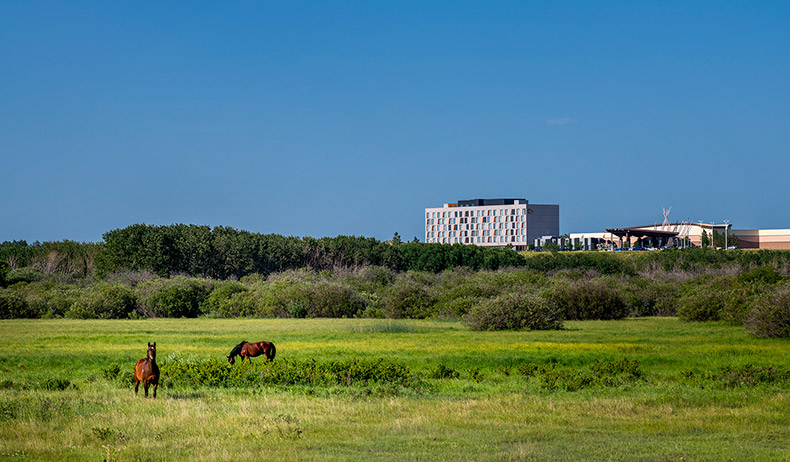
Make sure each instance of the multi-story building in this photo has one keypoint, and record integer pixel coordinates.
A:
(491, 222)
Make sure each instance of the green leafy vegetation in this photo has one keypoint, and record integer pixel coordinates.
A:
(145, 271)
(515, 311)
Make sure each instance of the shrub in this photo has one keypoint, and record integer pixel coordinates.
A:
(566, 379)
(331, 299)
(59, 298)
(459, 290)
(371, 277)
(129, 278)
(648, 297)
(286, 297)
(603, 263)
(409, 297)
(587, 299)
(736, 303)
(715, 298)
(49, 298)
(600, 373)
(751, 375)
(215, 373)
(737, 376)
(217, 302)
(14, 306)
(210, 372)
(701, 305)
(443, 372)
(457, 307)
(769, 315)
(347, 372)
(173, 298)
(518, 279)
(54, 383)
(319, 298)
(761, 275)
(514, 311)
(111, 372)
(618, 367)
(527, 369)
(475, 374)
(26, 274)
(105, 301)
(248, 303)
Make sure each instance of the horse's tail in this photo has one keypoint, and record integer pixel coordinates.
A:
(272, 352)
(236, 350)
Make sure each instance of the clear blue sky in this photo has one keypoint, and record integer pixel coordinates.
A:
(327, 118)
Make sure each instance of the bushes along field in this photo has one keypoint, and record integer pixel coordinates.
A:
(514, 298)
(190, 271)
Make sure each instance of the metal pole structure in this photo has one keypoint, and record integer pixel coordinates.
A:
(726, 232)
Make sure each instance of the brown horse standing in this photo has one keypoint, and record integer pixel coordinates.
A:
(147, 371)
(249, 350)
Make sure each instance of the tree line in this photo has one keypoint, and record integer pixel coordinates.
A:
(227, 253)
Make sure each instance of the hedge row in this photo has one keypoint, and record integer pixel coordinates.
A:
(505, 299)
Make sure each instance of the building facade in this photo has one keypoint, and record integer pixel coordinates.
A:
(773, 239)
(491, 222)
(683, 234)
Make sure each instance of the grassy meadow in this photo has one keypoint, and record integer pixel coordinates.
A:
(688, 391)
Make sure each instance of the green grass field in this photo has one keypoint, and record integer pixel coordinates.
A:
(705, 391)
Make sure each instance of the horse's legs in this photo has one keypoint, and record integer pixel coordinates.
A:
(136, 385)
(145, 385)
(155, 385)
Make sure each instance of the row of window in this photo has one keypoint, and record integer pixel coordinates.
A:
(463, 220)
(488, 232)
(478, 226)
(475, 240)
(476, 213)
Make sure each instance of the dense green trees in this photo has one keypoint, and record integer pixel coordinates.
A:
(3, 272)
(223, 252)
(226, 253)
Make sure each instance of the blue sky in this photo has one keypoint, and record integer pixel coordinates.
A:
(327, 118)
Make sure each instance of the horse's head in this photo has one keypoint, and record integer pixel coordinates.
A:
(231, 360)
(152, 350)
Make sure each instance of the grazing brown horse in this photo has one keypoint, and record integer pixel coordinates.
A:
(249, 350)
(147, 371)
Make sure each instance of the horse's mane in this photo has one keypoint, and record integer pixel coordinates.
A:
(237, 349)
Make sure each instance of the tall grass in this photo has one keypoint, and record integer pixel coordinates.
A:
(635, 389)
(384, 327)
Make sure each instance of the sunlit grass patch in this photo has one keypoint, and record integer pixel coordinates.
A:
(384, 327)
(476, 405)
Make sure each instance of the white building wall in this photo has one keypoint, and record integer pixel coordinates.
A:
(487, 225)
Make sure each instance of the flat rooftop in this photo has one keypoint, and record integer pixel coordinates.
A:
(479, 202)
